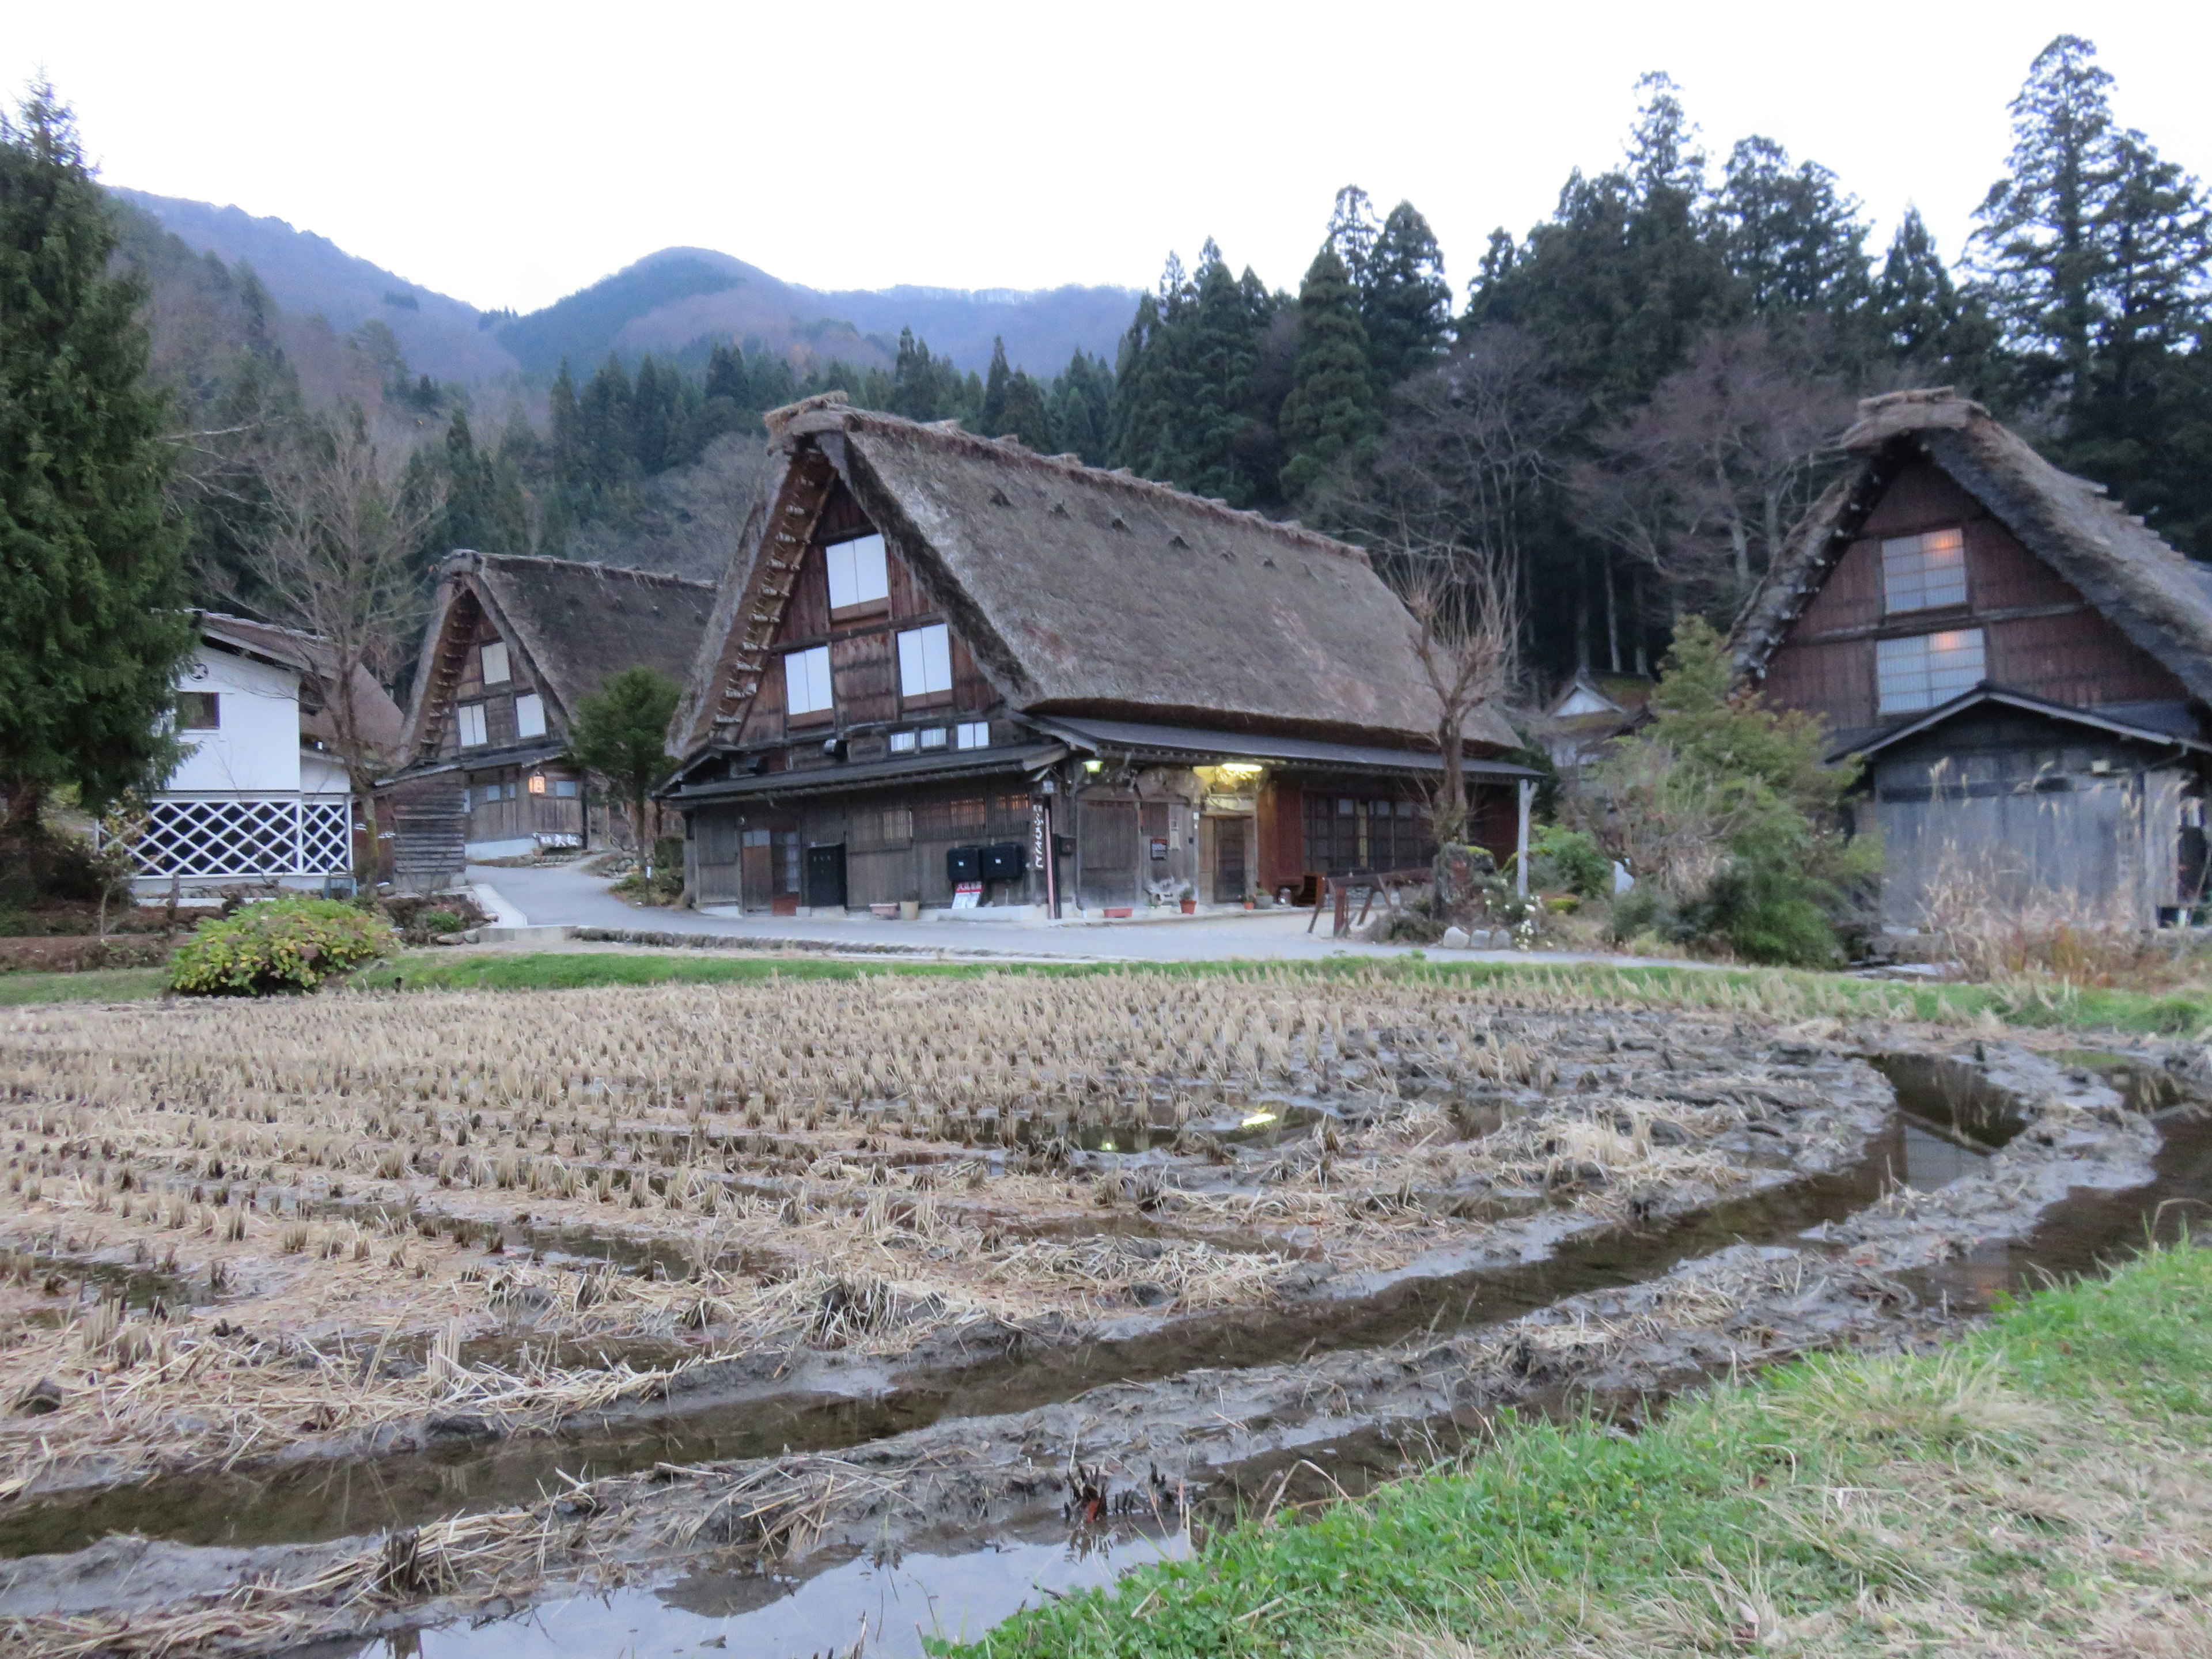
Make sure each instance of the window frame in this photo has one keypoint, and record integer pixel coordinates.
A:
(1885, 675)
(505, 663)
(1902, 597)
(917, 663)
(972, 734)
(868, 581)
(211, 700)
(904, 743)
(522, 723)
(804, 662)
(464, 715)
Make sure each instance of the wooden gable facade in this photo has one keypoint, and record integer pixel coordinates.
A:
(919, 680)
(2022, 666)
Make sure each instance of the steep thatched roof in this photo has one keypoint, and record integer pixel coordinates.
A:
(2160, 600)
(378, 716)
(1082, 590)
(575, 625)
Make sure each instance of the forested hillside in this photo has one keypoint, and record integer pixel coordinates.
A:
(1624, 406)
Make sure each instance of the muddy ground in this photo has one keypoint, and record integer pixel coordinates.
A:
(1126, 1279)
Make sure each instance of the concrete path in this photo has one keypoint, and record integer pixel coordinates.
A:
(563, 895)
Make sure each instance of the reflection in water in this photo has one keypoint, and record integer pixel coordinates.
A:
(892, 1604)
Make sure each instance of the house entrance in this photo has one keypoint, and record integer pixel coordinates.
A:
(768, 871)
(1229, 881)
(825, 878)
(1107, 862)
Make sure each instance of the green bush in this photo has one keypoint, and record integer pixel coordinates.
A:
(284, 945)
(1563, 860)
(442, 922)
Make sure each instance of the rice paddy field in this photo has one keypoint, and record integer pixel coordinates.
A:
(750, 1274)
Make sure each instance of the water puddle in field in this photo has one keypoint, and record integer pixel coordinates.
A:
(883, 1607)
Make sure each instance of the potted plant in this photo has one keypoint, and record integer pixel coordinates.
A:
(1188, 895)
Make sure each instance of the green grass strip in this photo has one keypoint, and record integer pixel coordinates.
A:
(2040, 1487)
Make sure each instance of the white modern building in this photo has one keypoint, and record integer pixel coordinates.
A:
(257, 799)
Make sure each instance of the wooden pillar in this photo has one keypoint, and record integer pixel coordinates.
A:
(1521, 839)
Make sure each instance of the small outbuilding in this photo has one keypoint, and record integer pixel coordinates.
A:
(2024, 668)
(946, 670)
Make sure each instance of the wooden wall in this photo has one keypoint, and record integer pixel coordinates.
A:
(2041, 636)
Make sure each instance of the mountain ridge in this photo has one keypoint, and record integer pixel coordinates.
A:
(665, 302)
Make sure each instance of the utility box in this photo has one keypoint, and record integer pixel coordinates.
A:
(1005, 861)
(964, 864)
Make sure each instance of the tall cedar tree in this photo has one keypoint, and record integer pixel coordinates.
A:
(1405, 303)
(620, 734)
(1921, 319)
(91, 562)
(992, 415)
(1794, 240)
(2093, 255)
(1330, 414)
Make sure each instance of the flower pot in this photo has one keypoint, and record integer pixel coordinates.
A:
(1190, 907)
(910, 909)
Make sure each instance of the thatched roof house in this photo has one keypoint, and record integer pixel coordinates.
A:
(514, 646)
(914, 609)
(2025, 666)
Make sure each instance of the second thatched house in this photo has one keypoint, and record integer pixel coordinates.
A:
(2025, 669)
(946, 670)
(513, 646)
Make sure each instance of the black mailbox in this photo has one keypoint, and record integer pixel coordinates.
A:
(1005, 861)
(964, 864)
(1063, 846)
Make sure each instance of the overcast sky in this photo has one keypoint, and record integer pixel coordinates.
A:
(509, 154)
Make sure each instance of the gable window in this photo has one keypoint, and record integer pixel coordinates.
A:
(1922, 573)
(496, 671)
(474, 733)
(926, 661)
(975, 734)
(806, 681)
(902, 742)
(199, 711)
(858, 574)
(1928, 670)
(933, 737)
(530, 715)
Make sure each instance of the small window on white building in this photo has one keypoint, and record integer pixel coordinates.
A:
(857, 573)
(530, 715)
(933, 737)
(975, 734)
(199, 711)
(496, 671)
(902, 743)
(926, 661)
(1928, 670)
(806, 681)
(1922, 573)
(474, 733)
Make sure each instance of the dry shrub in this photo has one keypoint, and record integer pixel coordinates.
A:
(2000, 929)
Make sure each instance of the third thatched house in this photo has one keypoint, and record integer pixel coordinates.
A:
(945, 670)
(2026, 668)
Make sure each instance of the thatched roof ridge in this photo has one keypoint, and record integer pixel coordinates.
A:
(2161, 600)
(575, 624)
(1082, 590)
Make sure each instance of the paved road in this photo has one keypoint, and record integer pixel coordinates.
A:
(563, 895)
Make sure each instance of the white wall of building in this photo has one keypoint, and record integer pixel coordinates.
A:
(256, 749)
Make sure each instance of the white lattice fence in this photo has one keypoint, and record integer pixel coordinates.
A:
(245, 835)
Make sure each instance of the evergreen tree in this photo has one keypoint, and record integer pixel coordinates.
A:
(1226, 321)
(1330, 414)
(1149, 383)
(1025, 413)
(1405, 303)
(1920, 318)
(571, 473)
(1082, 407)
(91, 574)
(993, 415)
(1352, 233)
(606, 424)
(1794, 241)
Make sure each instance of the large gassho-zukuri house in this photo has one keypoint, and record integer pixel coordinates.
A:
(2024, 668)
(946, 670)
(515, 645)
(259, 797)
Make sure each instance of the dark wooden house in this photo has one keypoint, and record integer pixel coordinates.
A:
(944, 661)
(514, 646)
(2024, 667)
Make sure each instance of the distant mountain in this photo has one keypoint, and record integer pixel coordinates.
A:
(669, 303)
(307, 274)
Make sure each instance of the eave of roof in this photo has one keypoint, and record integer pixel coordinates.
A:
(834, 780)
(2063, 713)
(1197, 745)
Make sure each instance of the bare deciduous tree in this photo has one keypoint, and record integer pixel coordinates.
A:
(335, 562)
(1465, 614)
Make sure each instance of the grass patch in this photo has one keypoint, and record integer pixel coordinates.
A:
(2043, 1487)
(94, 985)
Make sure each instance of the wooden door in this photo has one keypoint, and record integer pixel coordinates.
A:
(1106, 852)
